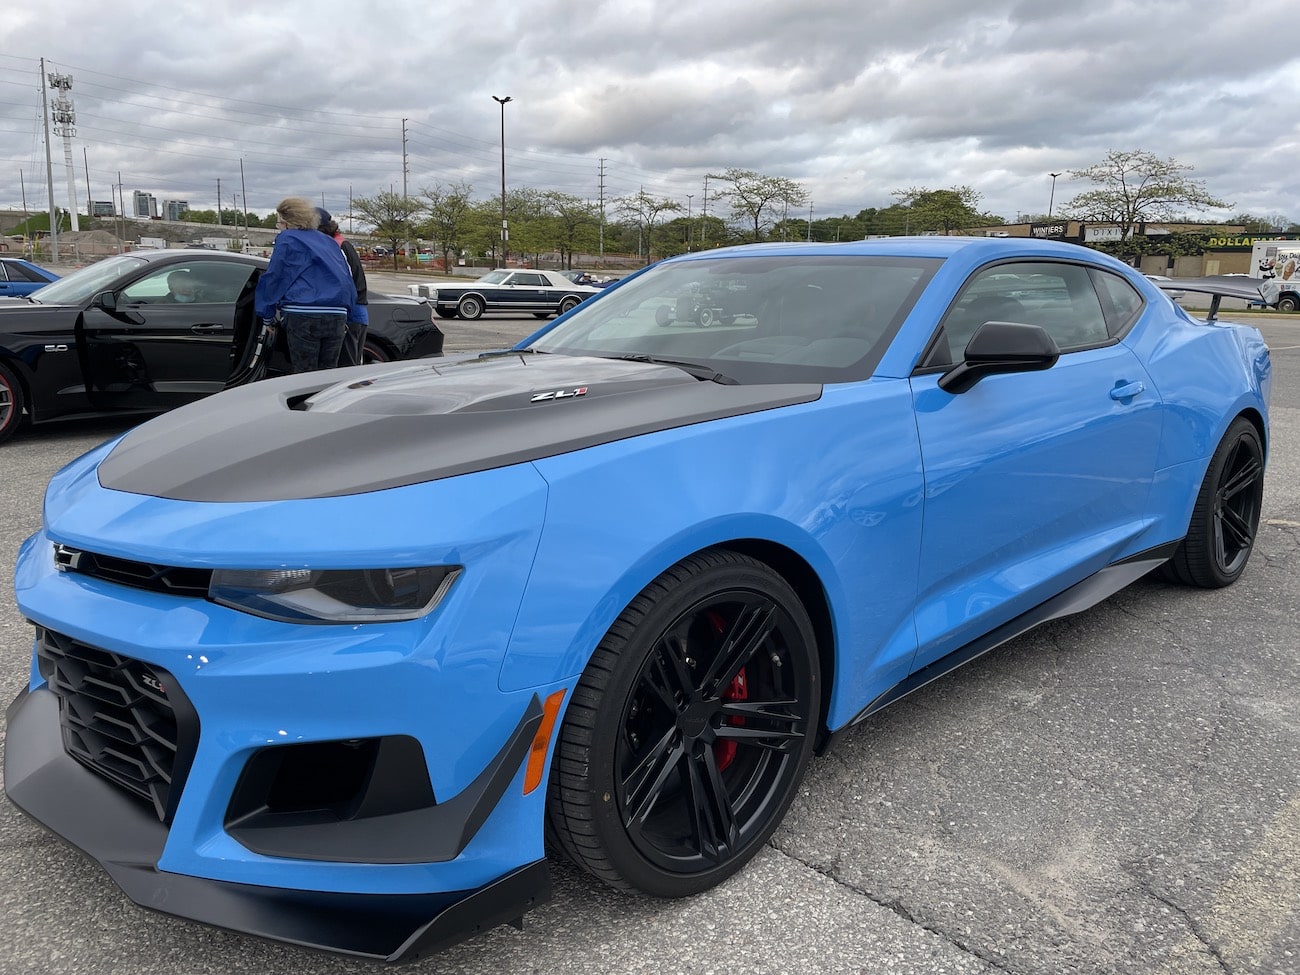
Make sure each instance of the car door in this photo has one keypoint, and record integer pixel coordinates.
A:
(144, 350)
(1033, 480)
(528, 291)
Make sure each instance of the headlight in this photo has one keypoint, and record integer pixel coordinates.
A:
(333, 595)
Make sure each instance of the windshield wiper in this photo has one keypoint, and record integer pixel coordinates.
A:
(499, 353)
(696, 369)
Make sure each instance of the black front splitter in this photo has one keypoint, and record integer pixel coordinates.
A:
(127, 840)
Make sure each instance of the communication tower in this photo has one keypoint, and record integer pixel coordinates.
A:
(65, 124)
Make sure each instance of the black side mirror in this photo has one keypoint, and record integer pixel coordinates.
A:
(1001, 347)
(105, 301)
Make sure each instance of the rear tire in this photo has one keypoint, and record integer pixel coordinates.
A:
(1288, 303)
(11, 404)
(567, 305)
(689, 730)
(372, 351)
(1225, 519)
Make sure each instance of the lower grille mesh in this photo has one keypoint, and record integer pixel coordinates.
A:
(121, 718)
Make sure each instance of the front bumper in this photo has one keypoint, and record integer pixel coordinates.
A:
(127, 840)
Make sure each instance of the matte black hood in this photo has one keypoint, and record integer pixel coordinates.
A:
(368, 428)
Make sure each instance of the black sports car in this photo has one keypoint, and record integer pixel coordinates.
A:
(541, 293)
(114, 336)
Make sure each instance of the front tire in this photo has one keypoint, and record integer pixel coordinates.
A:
(470, 308)
(690, 729)
(1225, 519)
(567, 305)
(11, 404)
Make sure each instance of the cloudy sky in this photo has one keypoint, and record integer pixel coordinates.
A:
(851, 98)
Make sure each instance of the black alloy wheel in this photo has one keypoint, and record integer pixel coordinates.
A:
(11, 404)
(1225, 519)
(690, 729)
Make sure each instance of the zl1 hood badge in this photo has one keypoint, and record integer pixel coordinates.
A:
(559, 394)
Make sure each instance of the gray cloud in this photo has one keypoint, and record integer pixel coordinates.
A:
(853, 100)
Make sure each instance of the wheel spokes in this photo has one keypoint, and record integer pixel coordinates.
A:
(744, 638)
(713, 818)
(643, 786)
(1241, 480)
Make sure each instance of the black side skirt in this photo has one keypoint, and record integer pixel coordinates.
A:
(1079, 597)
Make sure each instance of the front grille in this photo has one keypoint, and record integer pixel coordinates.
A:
(176, 580)
(126, 720)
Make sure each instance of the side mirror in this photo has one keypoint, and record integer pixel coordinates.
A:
(105, 301)
(1001, 347)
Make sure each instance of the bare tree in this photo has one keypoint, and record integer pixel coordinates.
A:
(1136, 186)
(643, 211)
(759, 201)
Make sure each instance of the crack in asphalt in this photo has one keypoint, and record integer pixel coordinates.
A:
(895, 907)
(1192, 926)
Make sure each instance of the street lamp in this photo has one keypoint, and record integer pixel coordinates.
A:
(505, 229)
(690, 231)
(1052, 199)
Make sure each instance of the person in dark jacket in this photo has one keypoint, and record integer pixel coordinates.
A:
(308, 287)
(355, 339)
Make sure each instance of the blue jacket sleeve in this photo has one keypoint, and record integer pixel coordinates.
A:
(288, 259)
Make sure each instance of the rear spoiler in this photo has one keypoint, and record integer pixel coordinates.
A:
(1220, 286)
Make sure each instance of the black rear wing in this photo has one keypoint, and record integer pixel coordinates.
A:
(1220, 286)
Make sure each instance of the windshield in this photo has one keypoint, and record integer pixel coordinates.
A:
(809, 318)
(81, 285)
(494, 277)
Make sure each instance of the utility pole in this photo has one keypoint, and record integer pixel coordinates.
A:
(49, 171)
(810, 221)
(406, 169)
(601, 173)
(218, 201)
(90, 204)
(690, 230)
(244, 190)
(26, 229)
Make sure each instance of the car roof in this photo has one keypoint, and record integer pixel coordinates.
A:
(189, 255)
(974, 248)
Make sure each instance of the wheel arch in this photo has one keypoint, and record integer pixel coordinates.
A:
(803, 579)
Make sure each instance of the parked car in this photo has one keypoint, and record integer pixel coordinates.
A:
(541, 293)
(19, 277)
(329, 661)
(105, 338)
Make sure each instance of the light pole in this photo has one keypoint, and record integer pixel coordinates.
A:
(690, 231)
(1052, 198)
(505, 228)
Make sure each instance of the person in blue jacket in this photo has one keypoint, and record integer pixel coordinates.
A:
(308, 287)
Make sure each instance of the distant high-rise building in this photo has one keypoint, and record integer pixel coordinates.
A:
(102, 208)
(172, 209)
(144, 204)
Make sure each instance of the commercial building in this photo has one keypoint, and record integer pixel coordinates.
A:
(144, 204)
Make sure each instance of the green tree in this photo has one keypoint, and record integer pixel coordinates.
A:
(941, 211)
(448, 210)
(199, 216)
(575, 225)
(1135, 187)
(757, 202)
(391, 215)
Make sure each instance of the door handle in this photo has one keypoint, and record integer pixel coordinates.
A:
(1125, 391)
(207, 327)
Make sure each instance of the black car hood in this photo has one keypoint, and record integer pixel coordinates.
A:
(369, 428)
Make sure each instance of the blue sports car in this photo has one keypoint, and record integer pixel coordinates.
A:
(337, 658)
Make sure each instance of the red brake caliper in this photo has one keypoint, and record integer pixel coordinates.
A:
(724, 752)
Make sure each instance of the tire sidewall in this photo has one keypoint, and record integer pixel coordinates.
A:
(1204, 514)
(13, 418)
(624, 856)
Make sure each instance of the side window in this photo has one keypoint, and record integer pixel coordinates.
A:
(202, 282)
(19, 273)
(530, 280)
(1122, 301)
(1058, 297)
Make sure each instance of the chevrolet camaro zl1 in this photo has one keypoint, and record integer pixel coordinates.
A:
(336, 660)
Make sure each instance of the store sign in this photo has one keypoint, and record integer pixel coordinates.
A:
(1093, 235)
(1042, 230)
(1239, 242)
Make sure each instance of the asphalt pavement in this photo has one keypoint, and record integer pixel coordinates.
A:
(1116, 792)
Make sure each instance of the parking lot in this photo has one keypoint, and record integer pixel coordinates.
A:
(1117, 792)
